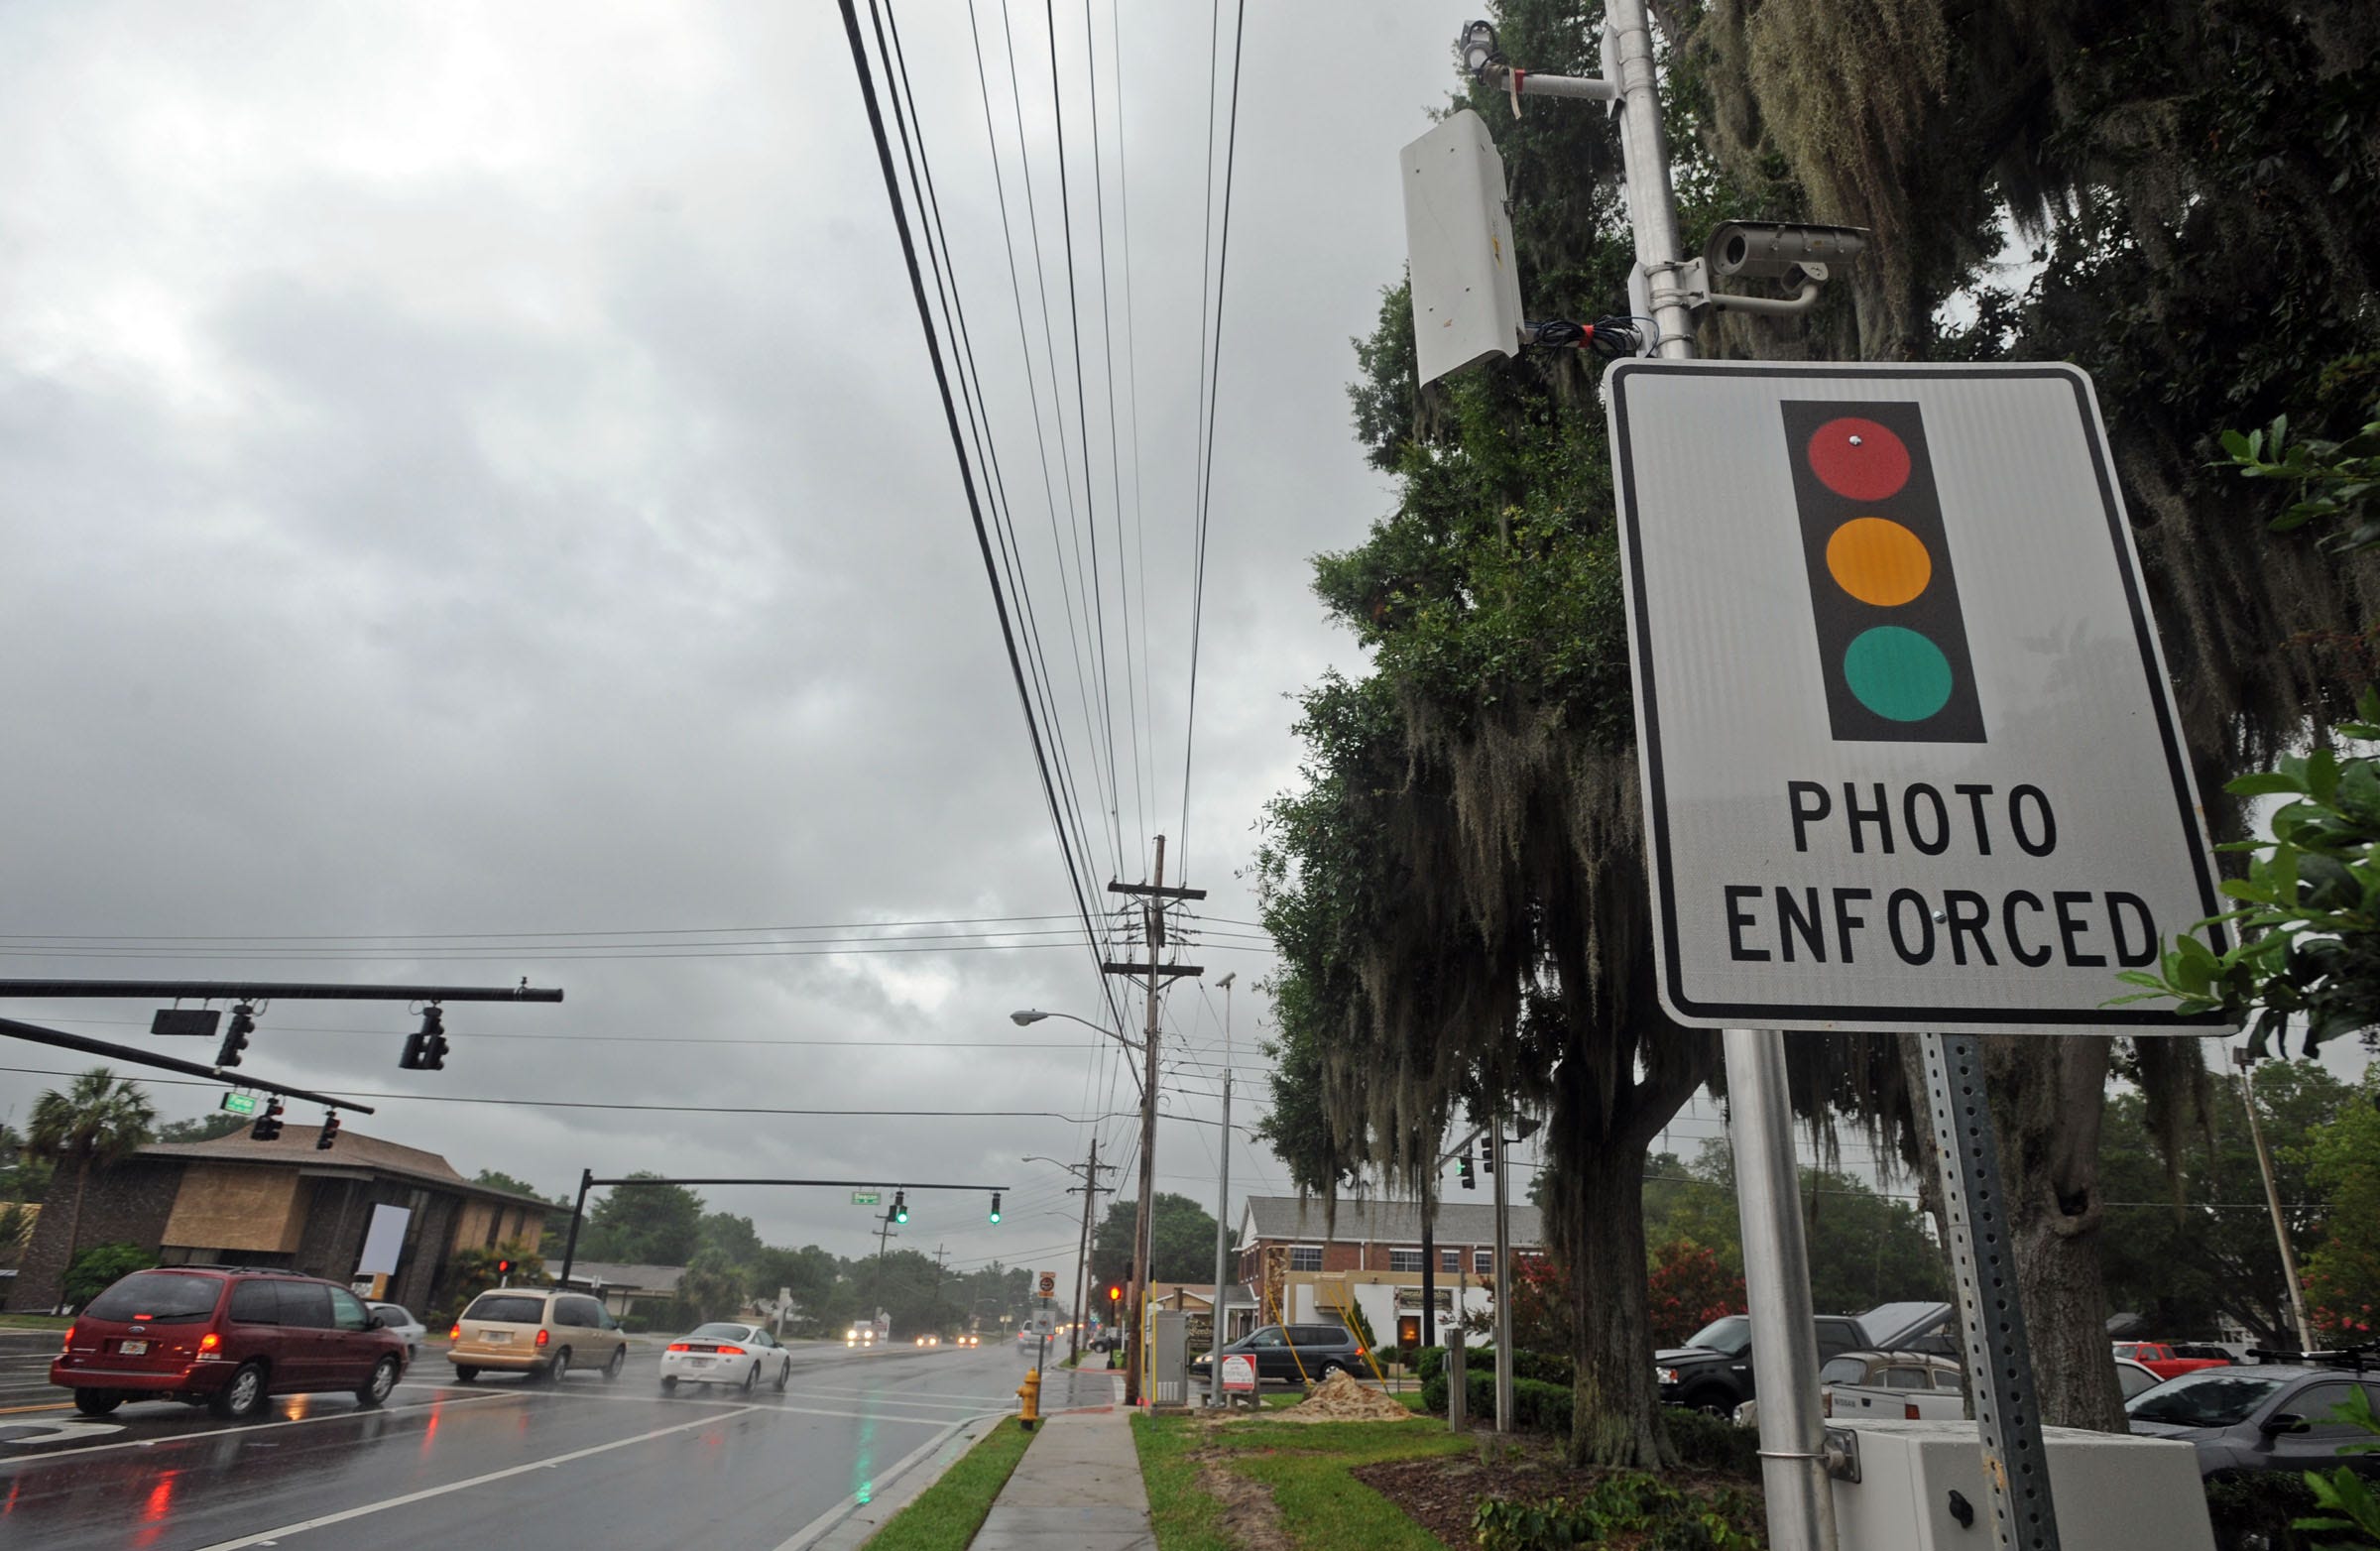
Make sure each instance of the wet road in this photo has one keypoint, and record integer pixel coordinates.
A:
(583, 1464)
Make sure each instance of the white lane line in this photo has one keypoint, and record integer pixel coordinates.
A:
(901, 1394)
(219, 1432)
(817, 1528)
(267, 1536)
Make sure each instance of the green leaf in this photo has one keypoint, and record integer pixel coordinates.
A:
(2262, 784)
(2321, 776)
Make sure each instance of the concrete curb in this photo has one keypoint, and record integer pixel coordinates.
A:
(849, 1526)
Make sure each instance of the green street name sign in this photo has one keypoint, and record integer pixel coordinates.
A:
(240, 1103)
(867, 1198)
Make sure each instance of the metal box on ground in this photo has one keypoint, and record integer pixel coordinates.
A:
(2112, 1493)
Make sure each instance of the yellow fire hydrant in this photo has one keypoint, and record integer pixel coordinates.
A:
(1030, 1393)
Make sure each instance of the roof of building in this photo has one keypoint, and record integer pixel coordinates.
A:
(615, 1276)
(1360, 1220)
(354, 1151)
(1235, 1293)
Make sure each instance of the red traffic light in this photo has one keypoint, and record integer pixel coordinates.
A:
(1115, 1294)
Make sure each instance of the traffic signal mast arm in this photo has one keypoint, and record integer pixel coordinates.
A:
(37, 1035)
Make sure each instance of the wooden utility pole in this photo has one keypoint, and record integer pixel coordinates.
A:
(1157, 893)
(1082, 1260)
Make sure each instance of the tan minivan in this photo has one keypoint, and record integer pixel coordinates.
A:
(528, 1330)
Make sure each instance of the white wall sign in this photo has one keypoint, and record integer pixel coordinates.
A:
(1909, 755)
(383, 1241)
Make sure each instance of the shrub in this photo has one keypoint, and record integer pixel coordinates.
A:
(1652, 1514)
(1429, 1362)
(1714, 1444)
(2260, 1505)
(99, 1266)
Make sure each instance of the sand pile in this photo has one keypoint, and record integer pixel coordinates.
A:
(1340, 1398)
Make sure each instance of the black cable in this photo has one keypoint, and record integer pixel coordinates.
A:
(950, 413)
(1198, 586)
(1082, 421)
(972, 392)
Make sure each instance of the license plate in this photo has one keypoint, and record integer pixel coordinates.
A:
(133, 1348)
(699, 1362)
(500, 1338)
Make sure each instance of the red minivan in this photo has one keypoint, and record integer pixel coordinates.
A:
(225, 1337)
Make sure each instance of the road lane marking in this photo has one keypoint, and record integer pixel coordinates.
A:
(19, 1411)
(824, 1524)
(246, 1427)
(267, 1536)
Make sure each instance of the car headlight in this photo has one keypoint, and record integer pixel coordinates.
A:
(1667, 1375)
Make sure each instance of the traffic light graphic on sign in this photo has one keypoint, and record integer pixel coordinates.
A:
(1891, 637)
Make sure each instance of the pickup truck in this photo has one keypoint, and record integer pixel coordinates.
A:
(2160, 1359)
(1901, 1386)
(1713, 1371)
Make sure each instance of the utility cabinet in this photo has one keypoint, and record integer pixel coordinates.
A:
(2112, 1493)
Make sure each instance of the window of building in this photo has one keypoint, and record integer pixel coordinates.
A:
(1305, 1258)
(1404, 1259)
(1450, 1262)
(1483, 1263)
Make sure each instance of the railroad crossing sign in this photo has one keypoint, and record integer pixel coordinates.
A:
(1049, 1283)
(1908, 754)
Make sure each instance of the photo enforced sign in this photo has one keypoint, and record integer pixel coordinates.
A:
(1910, 760)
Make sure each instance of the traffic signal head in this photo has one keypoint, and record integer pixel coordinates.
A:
(235, 1038)
(994, 1205)
(1115, 1294)
(268, 1122)
(330, 1132)
(504, 1267)
(425, 1047)
(1463, 1169)
(1891, 638)
(900, 1206)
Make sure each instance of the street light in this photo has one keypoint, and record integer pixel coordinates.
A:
(1026, 1017)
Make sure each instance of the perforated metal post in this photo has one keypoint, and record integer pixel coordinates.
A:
(1991, 1315)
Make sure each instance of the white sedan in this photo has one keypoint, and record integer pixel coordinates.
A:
(727, 1354)
(396, 1317)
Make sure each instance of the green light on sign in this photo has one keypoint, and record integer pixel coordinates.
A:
(865, 1197)
(240, 1103)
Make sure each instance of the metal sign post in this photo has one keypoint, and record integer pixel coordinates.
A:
(1991, 1317)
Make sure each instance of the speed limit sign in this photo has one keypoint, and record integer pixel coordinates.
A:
(1049, 1283)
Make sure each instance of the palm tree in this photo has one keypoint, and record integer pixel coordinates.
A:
(101, 1120)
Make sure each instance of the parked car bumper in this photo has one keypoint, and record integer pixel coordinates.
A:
(496, 1361)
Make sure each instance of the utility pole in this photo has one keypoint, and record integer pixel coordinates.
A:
(1156, 894)
(1223, 1208)
(884, 1232)
(1081, 1255)
(940, 1256)
(1504, 1275)
(2272, 1200)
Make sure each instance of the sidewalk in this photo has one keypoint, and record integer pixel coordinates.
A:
(1077, 1489)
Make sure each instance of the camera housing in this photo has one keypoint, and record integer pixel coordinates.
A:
(1774, 250)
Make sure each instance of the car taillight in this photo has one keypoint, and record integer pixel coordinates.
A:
(210, 1341)
(540, 1337)
(456, 1333)
(733, 1351)
(1826, 1404)
(1909, 1411)
(679, 1346)
(67, 1344)
(1358, 1351)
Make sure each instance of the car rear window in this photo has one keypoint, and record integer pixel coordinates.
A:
(157, 1296)
(506, 1309)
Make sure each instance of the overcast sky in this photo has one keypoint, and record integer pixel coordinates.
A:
(478, 472)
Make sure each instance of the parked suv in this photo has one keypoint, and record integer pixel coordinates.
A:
(544, 1333)
(227, 1338)
(1294, 1352)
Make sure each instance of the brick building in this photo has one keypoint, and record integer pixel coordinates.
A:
(238, 1202)
(1305, 1265)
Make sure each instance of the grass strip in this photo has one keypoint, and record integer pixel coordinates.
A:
(34, 1322)
(947, 1514)
(1184, 1515)
(1322, 1507)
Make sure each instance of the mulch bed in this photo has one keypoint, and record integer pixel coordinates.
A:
(1441, 1495)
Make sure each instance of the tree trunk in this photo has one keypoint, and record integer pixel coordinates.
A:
(1613, 1413)
(2047, 1096)
(82, 1177)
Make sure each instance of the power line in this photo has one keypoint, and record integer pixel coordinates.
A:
(908, 252)
(441, 936)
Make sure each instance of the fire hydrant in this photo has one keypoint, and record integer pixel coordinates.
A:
(1030, 1393)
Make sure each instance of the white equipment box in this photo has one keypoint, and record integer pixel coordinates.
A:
(2112, 1493)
